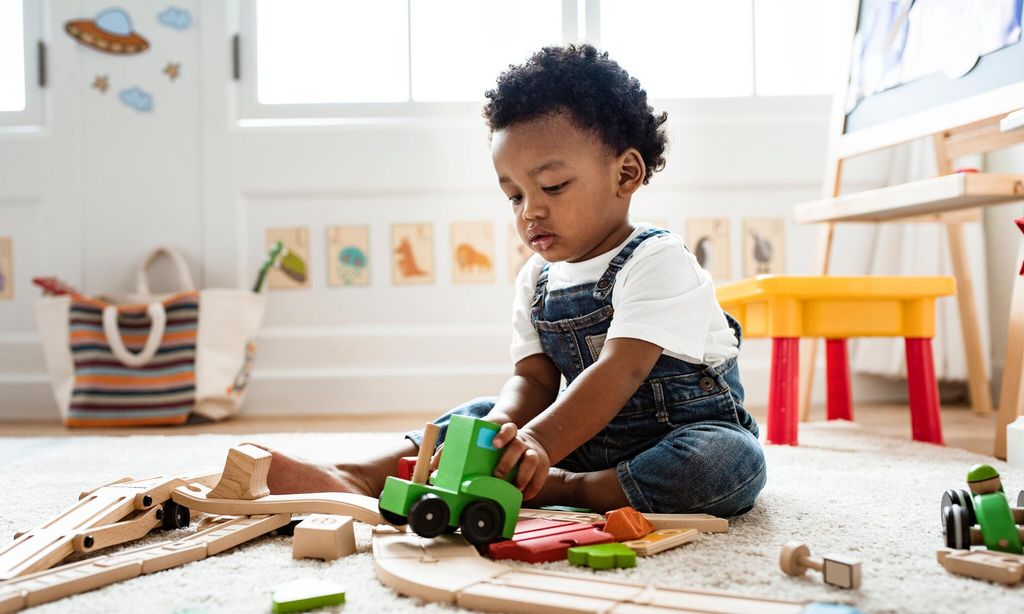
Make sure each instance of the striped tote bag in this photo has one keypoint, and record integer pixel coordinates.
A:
(150, 362)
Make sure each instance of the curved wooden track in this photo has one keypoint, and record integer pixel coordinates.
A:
(449, 570)
(360, 507)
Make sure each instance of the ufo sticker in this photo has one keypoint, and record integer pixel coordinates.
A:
(110, 32)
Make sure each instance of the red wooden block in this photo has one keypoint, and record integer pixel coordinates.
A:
(538, 540)
(406, 465)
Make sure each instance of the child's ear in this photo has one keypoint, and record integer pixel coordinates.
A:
(632, 171)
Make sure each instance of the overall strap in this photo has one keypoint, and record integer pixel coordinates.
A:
(604, 285)
(541, 290)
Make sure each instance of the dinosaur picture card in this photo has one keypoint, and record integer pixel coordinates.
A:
(412, 254)
(708, 240)
(6, 268)
(296, 241)
(472, 245)
(764, 246)
(348, 255)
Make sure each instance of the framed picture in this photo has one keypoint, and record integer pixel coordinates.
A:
(708, 239)
(296, 241)
(348, 256)
(6, 268)
(472, 245)
(764, 246)
(412, 254)
(518, 252)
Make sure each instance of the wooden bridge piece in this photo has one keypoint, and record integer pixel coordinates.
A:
(244, 475)
(360, 507)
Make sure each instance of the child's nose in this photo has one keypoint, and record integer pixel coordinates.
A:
(533, 208)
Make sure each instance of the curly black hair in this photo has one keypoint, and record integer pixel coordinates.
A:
(596, 91)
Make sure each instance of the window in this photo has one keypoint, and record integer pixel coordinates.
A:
(20, 99)
(351, 58)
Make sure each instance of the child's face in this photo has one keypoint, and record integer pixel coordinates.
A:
(569, 193)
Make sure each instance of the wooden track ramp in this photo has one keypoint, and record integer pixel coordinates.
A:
(362, 508)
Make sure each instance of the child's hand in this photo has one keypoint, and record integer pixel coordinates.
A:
(522, 449)
(436, 458)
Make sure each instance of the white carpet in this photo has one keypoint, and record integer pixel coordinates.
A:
(843, 491)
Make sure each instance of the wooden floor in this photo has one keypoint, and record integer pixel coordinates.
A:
(962, 428)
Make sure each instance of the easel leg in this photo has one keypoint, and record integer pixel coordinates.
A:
(809, 347)
(1011, 397)
(977, 381)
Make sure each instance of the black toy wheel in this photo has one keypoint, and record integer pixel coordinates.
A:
(957, 528)
(963, 498)
(392, 518)
(481, 522)
(175, 516)
(429, 516)
(1020, 499)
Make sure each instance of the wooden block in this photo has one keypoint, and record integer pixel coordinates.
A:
(841, 572)
(990, 565)
(661, 540)
(546, 540)
(406, 466)
(584, 518)
(323, 536)
(307, 594)
(705, 523)
(626, 523)
(245, 474)
(602, 556)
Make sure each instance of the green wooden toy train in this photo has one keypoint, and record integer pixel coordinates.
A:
(982, 515)
(462, 494)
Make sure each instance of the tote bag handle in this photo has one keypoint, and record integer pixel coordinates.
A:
(158, 318)
(185, 283)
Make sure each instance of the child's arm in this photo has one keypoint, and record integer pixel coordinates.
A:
(586, 407)
(531, 389)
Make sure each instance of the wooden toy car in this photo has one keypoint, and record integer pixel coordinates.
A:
(985, 505)
(462, 494)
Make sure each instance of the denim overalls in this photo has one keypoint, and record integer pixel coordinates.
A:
(683, 443)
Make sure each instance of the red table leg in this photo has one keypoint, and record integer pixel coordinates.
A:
(925, 419)
(783, 391)
(839, 399)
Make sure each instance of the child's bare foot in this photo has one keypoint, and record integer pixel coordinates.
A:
(289, 475)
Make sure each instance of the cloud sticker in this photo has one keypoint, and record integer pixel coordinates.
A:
(176, 18)
(137, 99)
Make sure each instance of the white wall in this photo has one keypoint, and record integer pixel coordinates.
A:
(85, 197)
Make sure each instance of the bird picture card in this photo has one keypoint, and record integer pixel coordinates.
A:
(296, 242)
(412, 254)
(518, 252)
(764, 246)
(348, 256)
(6, 268)
(472, 245)
(708, 240)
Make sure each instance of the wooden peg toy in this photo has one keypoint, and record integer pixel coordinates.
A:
(324, 536)
(795, 559)
(245, 474)
(990, 565)
(307, 594)
(705, 523)
(626, 523)
(661, 540)
(422, 469)
(602, 556)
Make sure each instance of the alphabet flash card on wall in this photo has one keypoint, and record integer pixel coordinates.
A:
(518, 252)
(6, 268)
(348, 253)
(472, 245)
(708, 239)
(764, 246)
(412, 254)
(296, 241)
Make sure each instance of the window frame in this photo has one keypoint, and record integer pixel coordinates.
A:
(31, 117)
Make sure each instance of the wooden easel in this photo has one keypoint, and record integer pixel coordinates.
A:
(966, 126)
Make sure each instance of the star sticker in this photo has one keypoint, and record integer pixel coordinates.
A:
(171, 70)
(101, 83)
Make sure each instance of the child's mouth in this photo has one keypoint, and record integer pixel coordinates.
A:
(541, 242)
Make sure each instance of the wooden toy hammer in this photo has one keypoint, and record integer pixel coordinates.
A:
(795, 559)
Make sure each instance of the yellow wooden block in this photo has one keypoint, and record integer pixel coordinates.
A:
(835, 307)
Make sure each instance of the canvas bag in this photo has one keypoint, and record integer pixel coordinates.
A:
(153, 360)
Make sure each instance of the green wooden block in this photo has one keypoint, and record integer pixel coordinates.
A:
(566, 508)
(602, 556)
(307, 594)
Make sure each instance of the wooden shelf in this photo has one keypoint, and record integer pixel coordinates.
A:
(929, 196)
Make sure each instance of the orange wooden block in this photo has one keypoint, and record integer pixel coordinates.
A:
(626, 523)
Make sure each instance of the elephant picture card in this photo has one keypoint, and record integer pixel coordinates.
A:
(412, 254)
(764, 246)
(708, 240)
(472, 245)
(348, 256)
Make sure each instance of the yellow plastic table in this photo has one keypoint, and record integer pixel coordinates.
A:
(786, 308)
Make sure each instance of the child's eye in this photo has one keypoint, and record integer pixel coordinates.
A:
(515, 199)
(555, 188)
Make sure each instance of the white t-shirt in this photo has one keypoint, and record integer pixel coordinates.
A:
(661, 295)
